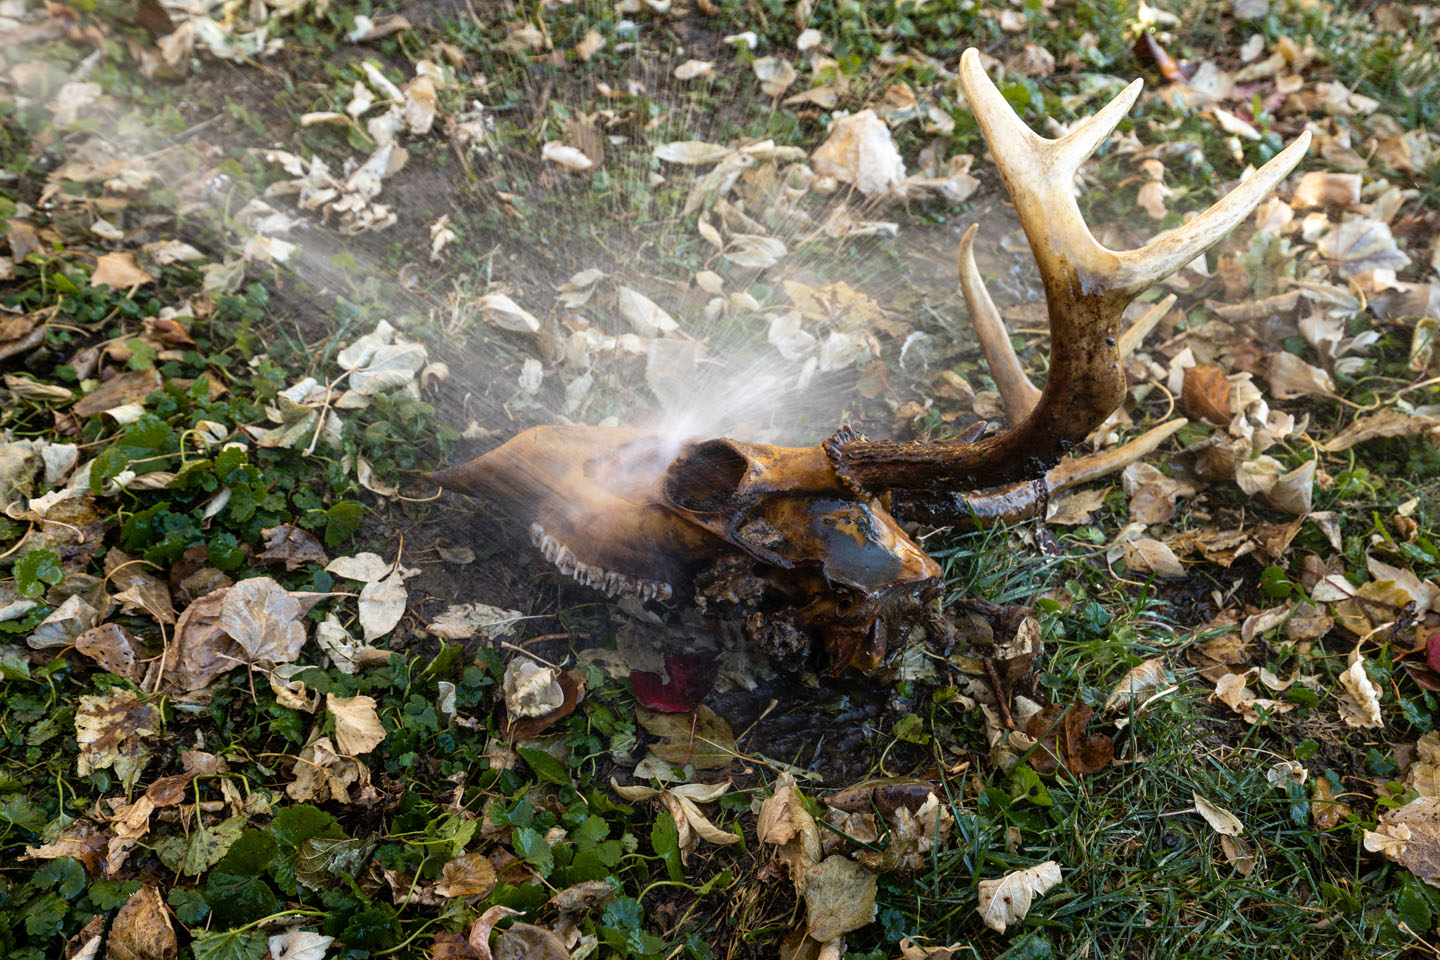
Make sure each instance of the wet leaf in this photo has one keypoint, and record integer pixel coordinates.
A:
(691, 675)
(1007, 899)
(702, 739)
(1060, 731)
(531, 690)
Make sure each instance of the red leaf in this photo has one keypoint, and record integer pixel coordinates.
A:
(691, 677)
(1428, 679)
(1432, 652)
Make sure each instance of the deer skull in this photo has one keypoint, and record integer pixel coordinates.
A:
(628, 512)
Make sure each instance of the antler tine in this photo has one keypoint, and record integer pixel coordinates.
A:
(1086, 288)
(1017, 393)
(1139, 268)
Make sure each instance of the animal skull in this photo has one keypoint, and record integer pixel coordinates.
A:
(629, 512)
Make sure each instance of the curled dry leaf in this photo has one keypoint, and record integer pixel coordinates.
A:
(531, 690)
(1410, 836)
(1006, 900)
(357, 726)
(1360, 699)
(1137, 686)
(119, 271)
(566, 156)
(860, 151)
(382, 604)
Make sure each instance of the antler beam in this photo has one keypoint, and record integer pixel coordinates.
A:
(1087, 287)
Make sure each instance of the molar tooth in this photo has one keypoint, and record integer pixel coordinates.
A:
(537, 534)
(666, 591)
(566, 560)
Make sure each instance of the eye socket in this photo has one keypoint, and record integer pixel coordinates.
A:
(705, 479)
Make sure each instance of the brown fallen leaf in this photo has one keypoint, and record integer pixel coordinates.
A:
(203, 650)
(1060, 732)
(1222, 821)
(1325, 812)
(19, 334)
(1206, 394)
(138, 589)
(468, 875)
(357, 726)
(293, 546)
(142, 930)
(264, 620)
(119, 270)
(129, 387)
(1410, 836)
(108, 646)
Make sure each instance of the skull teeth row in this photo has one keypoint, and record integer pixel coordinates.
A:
(613, 583)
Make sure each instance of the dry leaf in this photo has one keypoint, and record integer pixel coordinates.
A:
(1360, 699)
(264, 620)
(108, 646)
(468, 875)
(294, 546)
(1387, 423)
(1144, 556)
(382, 604)
(531, 690)
(703, 739)
(110, 729)
(839, 898)
(1360, 244)
(142, 930)
(299, 944)
(1137, 686)
(464, 620)
(1007, 900)
(1410, 836)
(1291, 377)
(860, 151)
(357, 726)
(119, 270)
(774, 73)
(1222, 821)
(506, 314)
(566, 156)
(645, 315)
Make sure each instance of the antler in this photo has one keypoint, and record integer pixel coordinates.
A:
(1086, 289)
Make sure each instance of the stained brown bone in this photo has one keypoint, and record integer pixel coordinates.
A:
(1086, 288)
